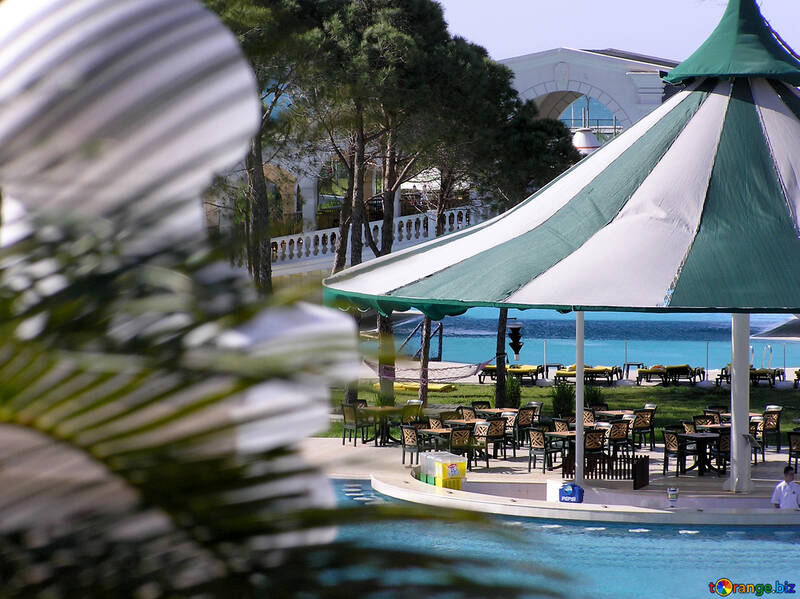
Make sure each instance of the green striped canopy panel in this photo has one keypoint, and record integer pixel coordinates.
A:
(694, 208)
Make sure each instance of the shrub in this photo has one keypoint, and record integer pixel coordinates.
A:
(563, 396)
(593, 396)
(513, 391)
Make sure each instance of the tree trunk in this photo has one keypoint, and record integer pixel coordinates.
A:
(445, 189)
(259, 251)
(345, 218)
(500, 360)
(357, 233)
(386, 349)
(423, 361)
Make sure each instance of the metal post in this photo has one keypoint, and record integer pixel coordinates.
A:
(545, 358)
(626, 351)
(579, 397)
(707, 359)
(784, 359)
(740, 481)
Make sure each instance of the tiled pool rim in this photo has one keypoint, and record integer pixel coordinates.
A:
(404, 487)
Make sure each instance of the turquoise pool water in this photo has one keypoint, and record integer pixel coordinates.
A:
(650, 338)
(604, 560)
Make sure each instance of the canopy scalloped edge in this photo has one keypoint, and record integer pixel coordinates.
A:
(438, 309)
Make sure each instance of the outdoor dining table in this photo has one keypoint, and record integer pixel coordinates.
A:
(495, 411)
(613, 413)
(701, 441)
(715, 427)
(437, 435)
(464, 422)
(381, 415)
(729, 415)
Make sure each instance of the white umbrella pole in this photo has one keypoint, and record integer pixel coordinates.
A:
(579, 398)
(707, 359)
(739, 481)
(626, 351)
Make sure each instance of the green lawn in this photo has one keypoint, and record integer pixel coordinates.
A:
(675, 403)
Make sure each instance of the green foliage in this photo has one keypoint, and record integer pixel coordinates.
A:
(563, 398)
(513, 391)
(593, 396)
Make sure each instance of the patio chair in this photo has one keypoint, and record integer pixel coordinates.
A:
(593, 442)
(435, 423)
(496, 435)
(411, 414)
(794, 447)
(466, 412)
(560, 424)
(673, 447)
(481, 405)
(540, 445)
(654, 408)
(646, 374)
(713, 414)
(461, 443)
(702, 421)
(510, 430)
(605, 427)
(772, 426)
(359, 403)
(352, 424)
(642, 427)
(618, 436)
(449, 415)
(688, 427)
(757, 442)
(721, 450)
(526, 418)
(480, 442)
(589, 417)
(412, 442)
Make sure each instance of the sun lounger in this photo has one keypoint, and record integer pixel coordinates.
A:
(591, 374)
(647, 374)
(769, 375)
(684, 372)
(409, 386)
(520, 370)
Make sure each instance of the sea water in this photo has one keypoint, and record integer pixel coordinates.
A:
(611, 338)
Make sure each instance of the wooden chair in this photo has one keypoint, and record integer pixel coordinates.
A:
(772, 426)
(526, 418)
(703, 420)
(466, 412)
(412, 442)
(589, 417)
(481, 405)
(461, 443)
(642, 427)
(480, 442)
(618, 436)
(758, 446)
(352, 425)
(721, 450)
(540, 445)
(435, 423)
(794, 447)
(673, 447)
(593, 442)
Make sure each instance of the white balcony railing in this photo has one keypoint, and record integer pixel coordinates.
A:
(319, 246)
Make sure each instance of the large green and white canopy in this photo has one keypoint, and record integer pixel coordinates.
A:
(694, 208)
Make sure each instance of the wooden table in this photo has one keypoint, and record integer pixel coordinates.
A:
(495, 411)
(715, 427)
(729, 415)
(612, 413)
(464, 422)
(701, 440)
(438, 435)
(381, 415)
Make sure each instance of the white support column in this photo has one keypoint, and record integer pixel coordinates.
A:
(740, 481)
(397, 196)
(579, 398)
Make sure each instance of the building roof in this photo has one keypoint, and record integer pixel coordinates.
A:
(653, 60)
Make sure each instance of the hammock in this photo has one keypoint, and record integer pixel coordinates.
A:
(435, 373)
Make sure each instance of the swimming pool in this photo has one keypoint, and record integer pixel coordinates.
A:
(604, 560)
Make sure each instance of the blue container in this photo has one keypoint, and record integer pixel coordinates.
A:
(570, 493)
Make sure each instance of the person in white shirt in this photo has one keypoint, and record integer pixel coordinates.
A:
(786, 495)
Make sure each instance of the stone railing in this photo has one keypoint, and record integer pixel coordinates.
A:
(408, 230)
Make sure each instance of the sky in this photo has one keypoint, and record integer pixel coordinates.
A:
(664, 28)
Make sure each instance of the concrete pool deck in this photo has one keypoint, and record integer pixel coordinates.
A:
(507, 488)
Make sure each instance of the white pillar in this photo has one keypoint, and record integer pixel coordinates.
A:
(579, 398)
(308, 191)
(397, 196)
(739, 481)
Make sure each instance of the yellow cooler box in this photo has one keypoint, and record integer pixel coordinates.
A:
(450, 466)
(449, 483)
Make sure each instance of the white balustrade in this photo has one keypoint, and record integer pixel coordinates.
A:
(408, 230)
